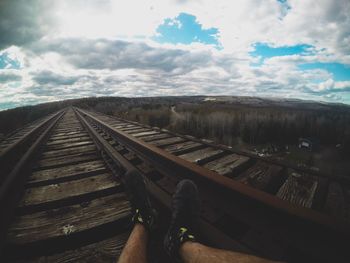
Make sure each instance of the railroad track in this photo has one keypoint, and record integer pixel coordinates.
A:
(70, 203)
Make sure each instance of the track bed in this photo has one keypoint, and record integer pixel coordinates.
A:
(72, 206)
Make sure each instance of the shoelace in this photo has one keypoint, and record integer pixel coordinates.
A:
(184, 235)
(139, 218)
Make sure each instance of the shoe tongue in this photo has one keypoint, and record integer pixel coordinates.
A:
(183, 218)
(145, 210)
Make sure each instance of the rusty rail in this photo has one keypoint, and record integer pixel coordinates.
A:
(12, 150)
(284, 164)
(217, 237)
(298, 229)
(13, 182)
(302, 226)
(174, 164)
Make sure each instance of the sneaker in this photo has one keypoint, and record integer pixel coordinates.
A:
(142, 210)
(186, 207)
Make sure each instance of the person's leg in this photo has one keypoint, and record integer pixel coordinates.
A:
(180, 241)
(185, 213)
(135, 249)
(194, 252)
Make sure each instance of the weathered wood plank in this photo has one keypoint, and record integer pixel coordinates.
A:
(181, 148)
(68, 145)
(69, 122)
(67, 126)
(54, 192)
(106, 251)
(78, 139)
(67, 171)
(201, 155)
(134, 129)
(13, 139)
(229, 164)
(69, 151)
(154, 137)
(137, 131)
(130, 126)
(65, 137)
(145, 133)
(59, 134)
(168, 141)
(65, 160)
(63, 130)
(299, 189)
(123, 125)
(69, 219)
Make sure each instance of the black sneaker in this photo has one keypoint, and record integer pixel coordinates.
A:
(186, 207)
(143, 212)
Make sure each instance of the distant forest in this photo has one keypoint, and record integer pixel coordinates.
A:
(13, 119)
(224, 120)
(232, 125)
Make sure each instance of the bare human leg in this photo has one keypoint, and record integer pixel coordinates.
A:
(143, 219)
(135, 250)
(193, 252)
(180, 241)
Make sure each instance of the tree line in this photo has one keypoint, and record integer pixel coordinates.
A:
(228, 123)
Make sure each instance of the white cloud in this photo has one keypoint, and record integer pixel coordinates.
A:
(22, 22)
(79, 48)
(323, 23)
(9, 75)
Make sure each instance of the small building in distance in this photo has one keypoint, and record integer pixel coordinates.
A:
(307, 143)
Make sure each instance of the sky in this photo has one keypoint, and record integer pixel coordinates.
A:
(54, 50)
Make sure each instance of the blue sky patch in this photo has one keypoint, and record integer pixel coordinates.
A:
(185, 29)
(8, 63)
(339, 71)
(263, 51)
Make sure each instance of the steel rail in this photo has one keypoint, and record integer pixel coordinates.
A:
(34, 123)
(12, 133)
(11, 149)
(159, 157)
(13, 185)
(209, 232)
(284, 164)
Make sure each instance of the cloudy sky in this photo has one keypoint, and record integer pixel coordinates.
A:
(53, 50)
